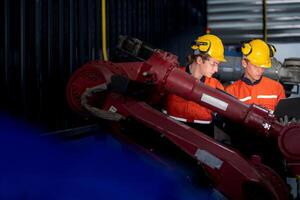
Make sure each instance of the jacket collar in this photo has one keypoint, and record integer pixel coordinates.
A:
(248, 82)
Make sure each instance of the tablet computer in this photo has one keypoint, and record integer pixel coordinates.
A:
(289, 107)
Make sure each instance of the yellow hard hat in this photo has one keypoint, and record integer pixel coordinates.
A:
(210, 44)
(258, 52)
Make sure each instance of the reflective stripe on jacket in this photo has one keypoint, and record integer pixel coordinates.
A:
(266, 92)
(189, 111)
(185, 120)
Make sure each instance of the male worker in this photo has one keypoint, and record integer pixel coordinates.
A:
(207, 53)
(253, 87)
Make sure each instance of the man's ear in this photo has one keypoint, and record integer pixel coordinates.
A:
(244, 62)
(199, 60)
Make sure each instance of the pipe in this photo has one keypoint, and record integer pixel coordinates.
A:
(265, 32)
(103, 5)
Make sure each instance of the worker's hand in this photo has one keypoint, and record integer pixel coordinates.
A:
(285, 120)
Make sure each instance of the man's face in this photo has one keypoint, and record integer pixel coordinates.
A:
(209, 67)
(252, 72)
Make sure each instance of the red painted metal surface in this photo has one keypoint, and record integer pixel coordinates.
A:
(231, 173)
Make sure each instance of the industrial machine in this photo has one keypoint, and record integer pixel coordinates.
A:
(116, 91)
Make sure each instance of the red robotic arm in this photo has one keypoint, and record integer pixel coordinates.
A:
(130, 89)
(252, 116)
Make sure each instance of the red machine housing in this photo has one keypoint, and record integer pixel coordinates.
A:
(232, 174)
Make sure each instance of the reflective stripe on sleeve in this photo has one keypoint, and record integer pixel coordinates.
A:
(164, 111)
(178, 118)
(202, 122)
(267, 96)
(185, 120)
(194, 121)
(245, 99)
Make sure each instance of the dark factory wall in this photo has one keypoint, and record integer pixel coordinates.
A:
(44, 41)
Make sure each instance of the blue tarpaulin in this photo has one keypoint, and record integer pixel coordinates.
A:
(93, 167)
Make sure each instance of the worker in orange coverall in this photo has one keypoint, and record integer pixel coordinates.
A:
(207, 53)
(254, 88)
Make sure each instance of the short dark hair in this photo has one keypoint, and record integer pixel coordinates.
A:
(191, 57)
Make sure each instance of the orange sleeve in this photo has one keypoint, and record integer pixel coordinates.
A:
(229, 89)
(219, 85)
(176, 104)
(281, 93)
(214, 83)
